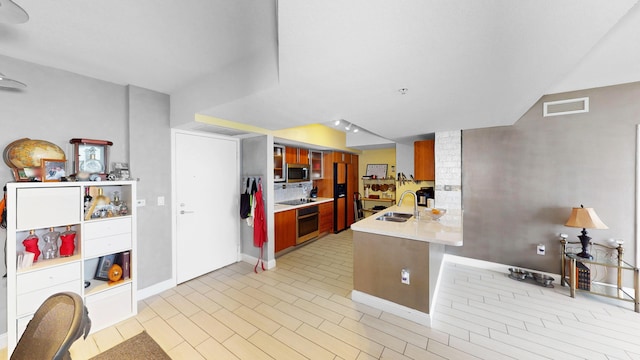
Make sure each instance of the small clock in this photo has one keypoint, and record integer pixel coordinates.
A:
(91, 156)
(115, 273)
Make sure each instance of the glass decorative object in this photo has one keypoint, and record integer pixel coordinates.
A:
(50, 249)
(124, 209)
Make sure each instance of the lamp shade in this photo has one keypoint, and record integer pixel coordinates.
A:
(585, 218)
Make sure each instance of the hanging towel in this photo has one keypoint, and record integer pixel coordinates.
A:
(245, 202)
(252, 200)
(260, 224)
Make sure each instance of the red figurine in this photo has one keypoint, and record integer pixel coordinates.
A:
(68, 245)
(31, 244)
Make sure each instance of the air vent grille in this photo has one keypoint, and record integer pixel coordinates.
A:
(565, 107)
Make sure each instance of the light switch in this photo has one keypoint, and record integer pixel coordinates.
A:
(160, 200)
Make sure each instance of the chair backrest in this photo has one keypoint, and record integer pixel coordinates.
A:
(57, 324)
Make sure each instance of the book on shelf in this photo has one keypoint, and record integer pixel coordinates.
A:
(124, 260)
(583, 274)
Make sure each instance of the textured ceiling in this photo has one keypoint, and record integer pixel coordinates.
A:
(465, 63)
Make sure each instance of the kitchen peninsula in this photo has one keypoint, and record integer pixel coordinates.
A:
(396, 265)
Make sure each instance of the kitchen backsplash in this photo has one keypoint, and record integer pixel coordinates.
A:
(284, 192)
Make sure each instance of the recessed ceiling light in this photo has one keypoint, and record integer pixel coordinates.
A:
(336, 123)
(348, 127)
(355, 130)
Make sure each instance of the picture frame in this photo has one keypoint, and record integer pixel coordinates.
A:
(26, 174)
(104, 264)
(91, 156)
(53, 169)
(377, 170)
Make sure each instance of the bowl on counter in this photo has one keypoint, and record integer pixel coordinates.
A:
(434, 213)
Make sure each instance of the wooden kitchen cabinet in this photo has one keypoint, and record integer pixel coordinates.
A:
(424, 160)
(315, 161)
(285, 230)
(278, 163)
(325, 224)
(294, 155)
(341, 157)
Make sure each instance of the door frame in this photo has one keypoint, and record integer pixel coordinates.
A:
(174, 212)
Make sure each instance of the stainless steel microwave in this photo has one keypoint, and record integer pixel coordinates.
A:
(297, 173)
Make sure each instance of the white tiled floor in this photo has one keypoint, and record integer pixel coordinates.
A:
(302, 310)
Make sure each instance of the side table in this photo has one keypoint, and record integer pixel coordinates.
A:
(606, 258)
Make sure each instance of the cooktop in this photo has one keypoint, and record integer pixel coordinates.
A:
(296, 202)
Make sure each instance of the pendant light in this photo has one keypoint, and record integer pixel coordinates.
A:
(5, 82)
(12, 13)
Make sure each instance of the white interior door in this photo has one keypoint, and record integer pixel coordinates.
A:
(207, 203)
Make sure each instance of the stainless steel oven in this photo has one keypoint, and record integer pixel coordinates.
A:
(307, 223)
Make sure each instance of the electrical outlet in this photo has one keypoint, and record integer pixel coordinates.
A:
(405, 275)
(141, 202)
(540, 249)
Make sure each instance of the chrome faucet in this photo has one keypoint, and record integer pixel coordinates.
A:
(416, 212)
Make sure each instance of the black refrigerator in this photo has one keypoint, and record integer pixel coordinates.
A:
(340, 199)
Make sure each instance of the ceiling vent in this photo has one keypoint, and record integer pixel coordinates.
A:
(565, 107)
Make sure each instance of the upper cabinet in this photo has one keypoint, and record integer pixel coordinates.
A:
(315, 159)
(343, 157)
(297, 155)
(278, 163)
(424, 160)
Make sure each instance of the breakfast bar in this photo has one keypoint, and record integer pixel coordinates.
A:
(397, 260)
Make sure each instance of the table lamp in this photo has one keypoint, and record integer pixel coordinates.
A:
(585, 218)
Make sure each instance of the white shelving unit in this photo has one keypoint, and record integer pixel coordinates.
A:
(41, 206)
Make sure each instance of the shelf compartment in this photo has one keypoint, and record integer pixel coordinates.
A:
(46, 264)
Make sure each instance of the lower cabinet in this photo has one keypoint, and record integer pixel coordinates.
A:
(111, 306)
(285, 229)
(325, 225)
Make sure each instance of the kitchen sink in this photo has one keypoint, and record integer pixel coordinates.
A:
(394, 217)
(397, 214)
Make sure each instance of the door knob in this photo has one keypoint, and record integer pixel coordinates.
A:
(185, 212)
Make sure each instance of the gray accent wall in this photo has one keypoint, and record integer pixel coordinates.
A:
(254, 157)
(520, 182)
(150, 161)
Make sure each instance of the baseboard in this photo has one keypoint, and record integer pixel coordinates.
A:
(488, 265)
(254, 260)
(155, 289)
(391, 307)
(3, 341)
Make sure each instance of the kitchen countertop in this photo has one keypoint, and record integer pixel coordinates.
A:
(447, 230)
(281, 207)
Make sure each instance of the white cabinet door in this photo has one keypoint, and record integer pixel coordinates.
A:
(43, 207)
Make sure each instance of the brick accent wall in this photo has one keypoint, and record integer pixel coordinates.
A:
(448, 187)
